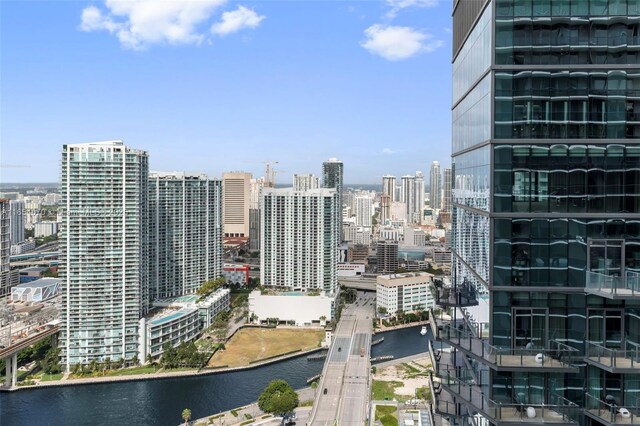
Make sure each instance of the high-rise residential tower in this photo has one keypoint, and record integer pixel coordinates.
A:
(16, 221)
(446, 190)
(333, 177)
(254, 213)
(304, 182)
(418, 206)
(408, 196)
(364, 210)
(435, 186)
(103, 250)
(5, 248)
(546, 215)
(389, 187)
(236, 196)
(299, 239)
(185, 232)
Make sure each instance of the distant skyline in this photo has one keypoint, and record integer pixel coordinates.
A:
(228, 85)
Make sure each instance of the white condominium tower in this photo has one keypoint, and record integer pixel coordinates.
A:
(408, 195)
(389, 187)
(418, 207)
(304, 182)
(235, 204)
(435, 186)
(364, 210)
(299, 239)
(103, 251)
(185, 232)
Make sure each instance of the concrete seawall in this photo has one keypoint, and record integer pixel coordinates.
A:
(158, 376)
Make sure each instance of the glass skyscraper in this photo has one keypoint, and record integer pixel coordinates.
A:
(544, 308)
(333, 177)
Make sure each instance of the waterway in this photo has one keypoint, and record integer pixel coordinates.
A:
(160, 402)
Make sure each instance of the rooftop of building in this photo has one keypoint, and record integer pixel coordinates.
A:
(190, 300)
(34, 269)
(178, 175)
(399, 279)
(42, 282)
(166, 315)
(292, 191)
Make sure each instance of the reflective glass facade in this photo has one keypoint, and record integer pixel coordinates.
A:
(546, 211)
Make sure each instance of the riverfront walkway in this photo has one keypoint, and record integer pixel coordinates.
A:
(344, 388)
(227, 418)
(156, 376)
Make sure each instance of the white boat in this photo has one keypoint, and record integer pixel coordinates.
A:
(424, 330)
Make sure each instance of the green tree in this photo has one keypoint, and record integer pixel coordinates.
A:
(210, 286)
(186, 415)
(382, 310)
(278, 398)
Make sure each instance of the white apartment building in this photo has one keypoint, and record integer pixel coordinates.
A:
(389, 187)
(180, 320)
(435, 186)
(405, 292)
(364, 210)
(103, 251)
(23, 247)
(45, 228)
(185, 232)
(235, 205)
(305, 182)
(299, 239)
(419, 196)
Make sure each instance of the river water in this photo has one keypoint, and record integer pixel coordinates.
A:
(160, 402)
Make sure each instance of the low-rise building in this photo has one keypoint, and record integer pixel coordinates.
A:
(36, 291)
(350, 269)
(45, 229)
(23, 247)
(236, 274)
(179, 319)
(292, 307)
(405, 292)
(32, 273)
(174, 326)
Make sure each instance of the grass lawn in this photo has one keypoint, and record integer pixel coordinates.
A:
(132, 371)
(381, 390)
(253, 344)
(387, 414)
(50, 377)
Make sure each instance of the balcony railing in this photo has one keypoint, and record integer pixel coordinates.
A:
(555, 355)
(459, 295)
(560, 410)
(627, 357)
(610, 412)
(613, 286)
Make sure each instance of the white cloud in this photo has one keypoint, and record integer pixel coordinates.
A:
(140, 23)
(236, 20)
(388, 151)
(398, 5)
(397, 43)
(448, 30)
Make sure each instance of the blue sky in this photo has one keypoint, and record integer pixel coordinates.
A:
(217, 85)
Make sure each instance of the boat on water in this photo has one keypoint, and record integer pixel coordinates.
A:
(424, 330)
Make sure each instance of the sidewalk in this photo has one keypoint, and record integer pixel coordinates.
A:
(226, 418)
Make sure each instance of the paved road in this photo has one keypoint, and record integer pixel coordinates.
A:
(346, 374)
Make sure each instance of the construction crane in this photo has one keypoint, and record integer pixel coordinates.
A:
(270, 175)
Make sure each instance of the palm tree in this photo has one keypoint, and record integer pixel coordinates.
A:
(186, 415)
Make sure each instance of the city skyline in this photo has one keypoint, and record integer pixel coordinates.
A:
(353, 92)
